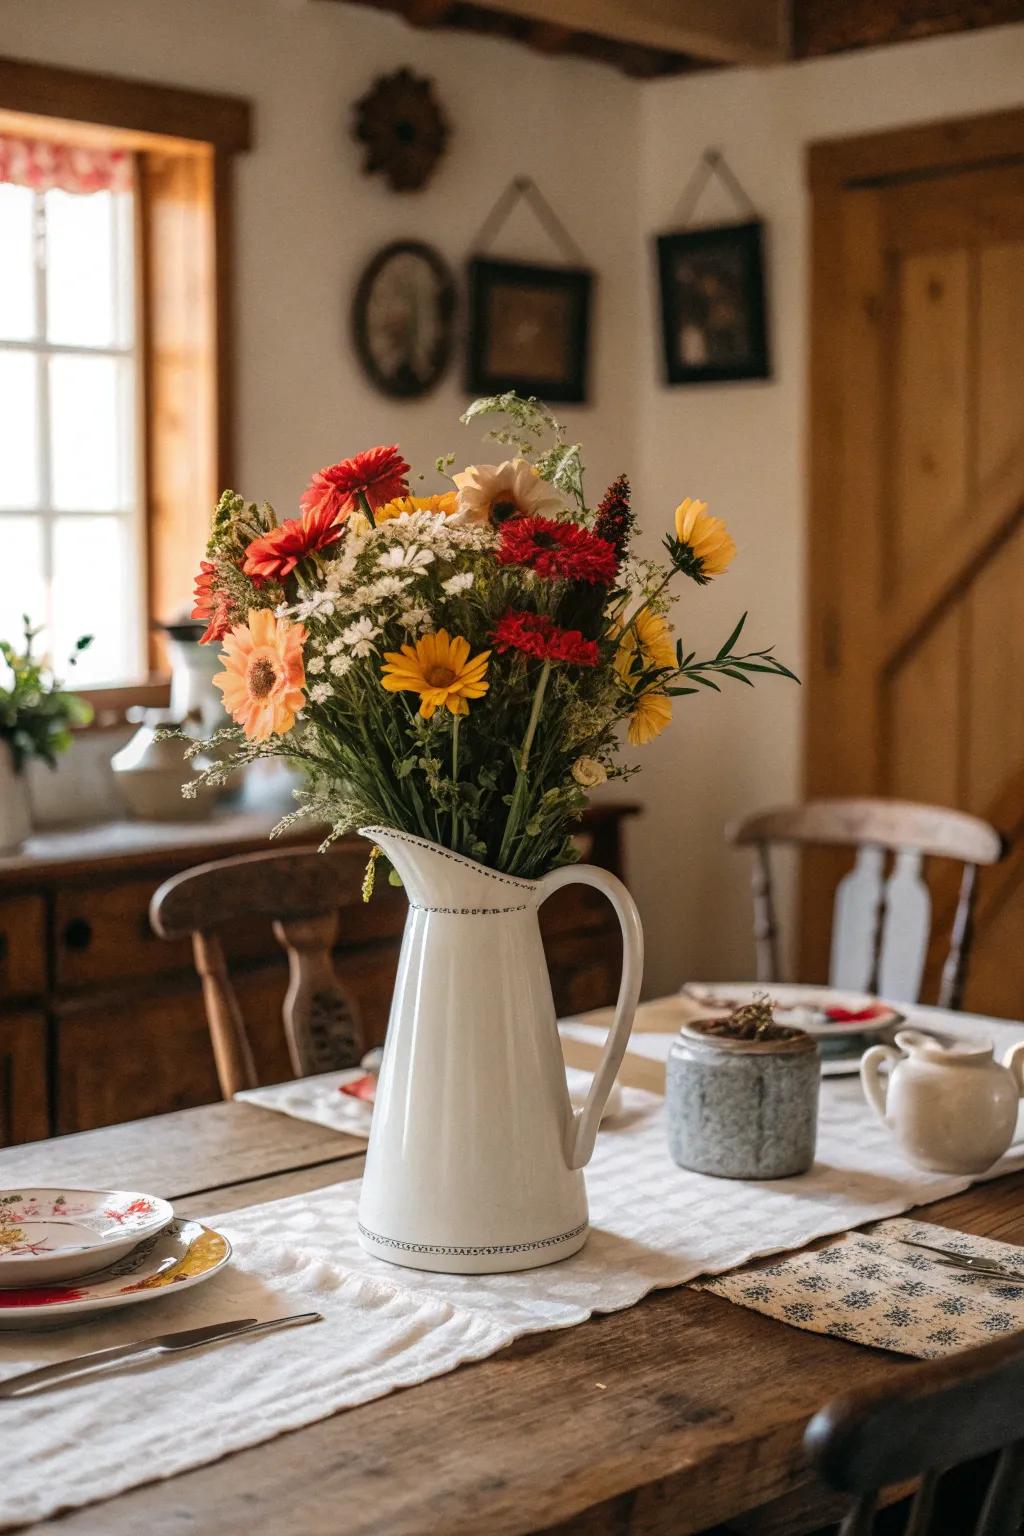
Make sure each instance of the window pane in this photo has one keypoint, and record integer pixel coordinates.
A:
(91, 418)
(21, 539)
(19, 485)
(94, 594)
(82, 269)
(17, 289)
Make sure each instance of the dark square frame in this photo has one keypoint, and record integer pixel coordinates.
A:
(748, 241)
(484, 274)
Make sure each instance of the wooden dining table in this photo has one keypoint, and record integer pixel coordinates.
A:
(676, 1415)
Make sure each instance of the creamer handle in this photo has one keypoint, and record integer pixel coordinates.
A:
(872, 1081)
(583, 1126)
(1014, 1062)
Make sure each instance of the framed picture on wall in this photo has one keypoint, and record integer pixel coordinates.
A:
(402, 319)
(528, 329)
(713, 312)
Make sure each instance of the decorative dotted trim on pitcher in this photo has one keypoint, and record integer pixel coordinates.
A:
(489, 1251)
(446, 853)
(469, 911)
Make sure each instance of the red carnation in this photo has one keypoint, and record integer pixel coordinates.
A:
(379, 474)
(275, 555)
(210, 604)
(534, 634)
(557, 549)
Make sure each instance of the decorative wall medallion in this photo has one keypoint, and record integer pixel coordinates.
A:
(402, 318)
(403, 129)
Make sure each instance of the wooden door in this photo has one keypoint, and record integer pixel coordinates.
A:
(916, 677)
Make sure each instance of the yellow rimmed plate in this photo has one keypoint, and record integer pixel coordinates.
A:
(184, 1254)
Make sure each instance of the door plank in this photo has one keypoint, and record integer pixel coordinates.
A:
(1000, 359)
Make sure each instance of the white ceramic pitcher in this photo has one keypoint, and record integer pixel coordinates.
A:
(952, 1108)
(475, 1158)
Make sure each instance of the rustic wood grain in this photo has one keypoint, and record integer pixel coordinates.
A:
(656, 1421)
(182, 1153)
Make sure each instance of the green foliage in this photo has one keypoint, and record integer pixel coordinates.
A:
(530, 423)
(36, 713)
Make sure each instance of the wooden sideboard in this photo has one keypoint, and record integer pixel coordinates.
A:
(101, 1021)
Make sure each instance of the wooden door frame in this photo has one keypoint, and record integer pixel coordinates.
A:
(843, 363)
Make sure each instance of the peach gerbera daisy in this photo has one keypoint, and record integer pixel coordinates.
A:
(492, 493)
(439, 669)
(263, 679)
(446, 504)
(706, 546)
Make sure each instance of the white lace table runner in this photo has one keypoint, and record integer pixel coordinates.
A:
(385, 1327)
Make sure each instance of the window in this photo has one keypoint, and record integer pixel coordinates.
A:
(71, 512)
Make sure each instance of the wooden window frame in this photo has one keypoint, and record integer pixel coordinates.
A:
(185, 143)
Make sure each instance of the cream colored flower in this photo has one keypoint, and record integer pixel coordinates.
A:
(492, 493)
(588, 772)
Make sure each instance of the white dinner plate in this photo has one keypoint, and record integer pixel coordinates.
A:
(184, 1254)
(843, 1023)
(55, 1234)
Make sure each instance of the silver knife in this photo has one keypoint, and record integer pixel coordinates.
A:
(950, 1258)
(163, 1343)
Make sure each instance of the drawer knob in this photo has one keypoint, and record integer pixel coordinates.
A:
(78, 934)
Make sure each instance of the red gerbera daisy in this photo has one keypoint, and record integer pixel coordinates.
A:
(557, 549)
(379, 474)
(210, 604)
(534, 634)
(275, 555)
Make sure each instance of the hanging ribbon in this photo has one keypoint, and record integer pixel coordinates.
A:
(523, 187)
(712, 163)
(45, 164)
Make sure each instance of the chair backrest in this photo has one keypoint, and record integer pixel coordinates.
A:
(881, 923)
(936, 1416)
(300, 893)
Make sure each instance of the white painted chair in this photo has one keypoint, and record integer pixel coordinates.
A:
(881, 919)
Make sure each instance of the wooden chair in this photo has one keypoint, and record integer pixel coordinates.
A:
(301, 894)
(938, 1415)
(880, 926)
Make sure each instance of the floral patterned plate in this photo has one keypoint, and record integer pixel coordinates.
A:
(185, 1253)
(56, 1234)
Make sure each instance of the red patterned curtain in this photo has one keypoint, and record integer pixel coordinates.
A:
(44, 164)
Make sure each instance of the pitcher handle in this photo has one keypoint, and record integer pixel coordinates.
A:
(585, 1122)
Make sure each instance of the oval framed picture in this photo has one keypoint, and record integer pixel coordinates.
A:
(402, 319)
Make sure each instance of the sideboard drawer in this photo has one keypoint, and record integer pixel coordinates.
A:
(102, 933)
(22, 945)
(24, 1112)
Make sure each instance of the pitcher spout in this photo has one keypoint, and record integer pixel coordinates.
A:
(437, 879)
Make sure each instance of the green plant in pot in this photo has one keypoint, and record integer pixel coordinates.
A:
(37, 715)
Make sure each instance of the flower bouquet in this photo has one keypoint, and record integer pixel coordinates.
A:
(462, 666)
(456, 671)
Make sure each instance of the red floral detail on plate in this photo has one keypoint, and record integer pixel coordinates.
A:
(362, 1088)
(855, 1015)
(40, 1297)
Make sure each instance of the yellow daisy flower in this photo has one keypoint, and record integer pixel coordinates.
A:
(263, 678)
(645, 642)
(706, 538)
(651, 714)
(438, 667)
(446, 503)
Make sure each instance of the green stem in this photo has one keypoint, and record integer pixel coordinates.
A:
(455, 782)
(519, 793)
(365, 504)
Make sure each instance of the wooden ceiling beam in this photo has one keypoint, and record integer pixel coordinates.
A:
(723, 31)
(835, 26)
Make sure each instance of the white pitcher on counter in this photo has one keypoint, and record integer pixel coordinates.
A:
(952, 1108)
(475, 1159)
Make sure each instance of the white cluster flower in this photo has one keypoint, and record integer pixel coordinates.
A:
(340, 665)
(589, 772)
(316, 665)
(335, 647)
(315, 605)
(416, 618)
(388, 586)
(411, 557)
(460, 582)
(360, 635)
(319, 693)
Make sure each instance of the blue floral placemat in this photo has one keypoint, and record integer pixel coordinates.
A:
(870, 1288)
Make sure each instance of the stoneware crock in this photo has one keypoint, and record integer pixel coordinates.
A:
(475, 1158)
(742, 1109)
(953, 1107)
